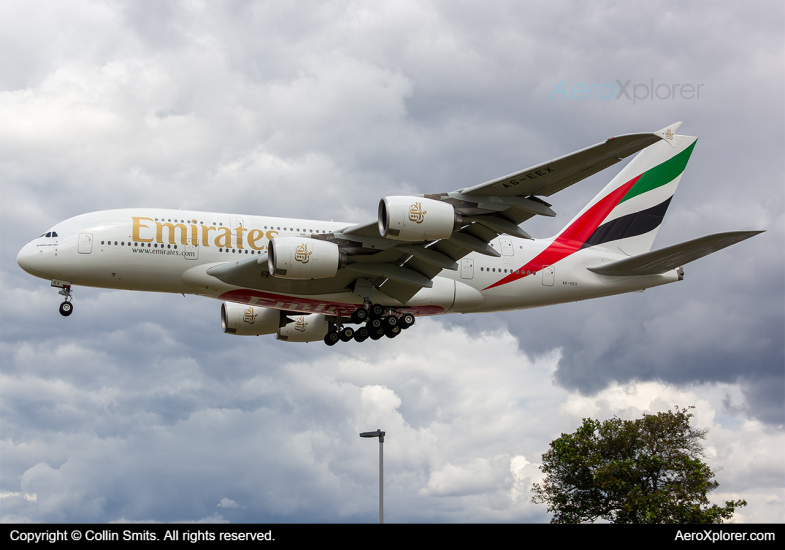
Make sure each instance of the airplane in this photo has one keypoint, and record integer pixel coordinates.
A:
(457, 252)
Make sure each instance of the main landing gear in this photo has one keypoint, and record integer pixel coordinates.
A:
(378, 321)
(66, 308)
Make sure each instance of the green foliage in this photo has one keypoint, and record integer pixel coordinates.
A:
(631, 471)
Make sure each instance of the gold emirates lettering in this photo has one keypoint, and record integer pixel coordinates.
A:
(173, 232)
(416, 213)
(300, 324)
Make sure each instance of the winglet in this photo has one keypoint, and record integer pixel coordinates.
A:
(668, 132)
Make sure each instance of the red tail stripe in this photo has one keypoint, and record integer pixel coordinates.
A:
(573, 237)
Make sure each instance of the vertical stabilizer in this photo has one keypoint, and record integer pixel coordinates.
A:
(626, 215)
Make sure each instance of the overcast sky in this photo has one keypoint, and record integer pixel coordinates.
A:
(138, 407)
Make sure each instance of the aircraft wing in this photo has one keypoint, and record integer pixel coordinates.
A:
(494, 208)
(550, 177)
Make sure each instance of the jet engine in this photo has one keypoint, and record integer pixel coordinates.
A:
(250, 320)
(301, 258)
(417, 219)
(305, 328)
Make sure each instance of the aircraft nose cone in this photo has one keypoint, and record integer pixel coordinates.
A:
(28, 259)
(23, 258)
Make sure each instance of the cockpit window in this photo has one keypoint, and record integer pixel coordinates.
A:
(48, 234)
(54, 233)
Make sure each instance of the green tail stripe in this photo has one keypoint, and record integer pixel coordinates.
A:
(660, 174)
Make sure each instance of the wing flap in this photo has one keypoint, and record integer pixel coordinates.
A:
(666, 259)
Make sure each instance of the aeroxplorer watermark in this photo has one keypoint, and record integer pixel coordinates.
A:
(637, 92)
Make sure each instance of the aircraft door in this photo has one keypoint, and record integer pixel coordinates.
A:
(507, 249)
(234, 223)
(467, 268)
(85, 245)
(548, 275)
(191, 249)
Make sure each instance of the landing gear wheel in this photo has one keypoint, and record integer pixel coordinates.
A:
(361, 334)
(407, 320)
(392, 332)
(331, 338)
(66, 309)
(374, 324)
(359, 316)
(390, 321)
(346, 334)
(375, 335)
(376, 311)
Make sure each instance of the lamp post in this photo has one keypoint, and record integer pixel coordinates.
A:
(380, 434)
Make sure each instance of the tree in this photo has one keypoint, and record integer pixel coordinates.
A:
(631, 471)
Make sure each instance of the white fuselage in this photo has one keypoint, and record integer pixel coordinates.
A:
(162, 250)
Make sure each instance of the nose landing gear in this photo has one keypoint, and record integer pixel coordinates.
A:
(66, 308)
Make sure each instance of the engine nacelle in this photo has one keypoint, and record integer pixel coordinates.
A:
(305, 328)
(250, 320)
(301, 258)
(417, 219)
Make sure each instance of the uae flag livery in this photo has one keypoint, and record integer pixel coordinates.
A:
(626, 215)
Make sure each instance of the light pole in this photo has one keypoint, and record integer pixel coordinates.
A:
(380, 434)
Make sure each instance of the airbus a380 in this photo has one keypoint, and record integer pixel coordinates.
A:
(456, 252)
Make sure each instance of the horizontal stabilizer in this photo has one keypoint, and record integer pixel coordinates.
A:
(666, 259)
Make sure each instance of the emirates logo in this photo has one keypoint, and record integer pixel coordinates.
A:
(300, 324)
(416, 213)
(301, 254)
(249, 316)
(668, 134)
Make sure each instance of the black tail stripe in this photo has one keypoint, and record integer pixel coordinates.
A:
(630, 225)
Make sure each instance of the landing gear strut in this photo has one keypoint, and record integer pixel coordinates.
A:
(66, 308)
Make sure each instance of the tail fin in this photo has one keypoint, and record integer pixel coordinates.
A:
(626, 215)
